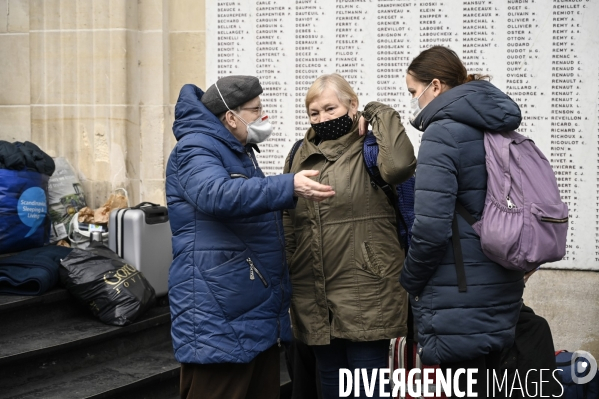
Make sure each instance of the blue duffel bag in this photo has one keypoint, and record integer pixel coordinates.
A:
(24, 219)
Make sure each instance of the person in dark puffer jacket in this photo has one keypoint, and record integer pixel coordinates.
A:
(229, 288)
(453, 109)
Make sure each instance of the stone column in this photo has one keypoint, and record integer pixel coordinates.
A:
(85, 87)
(15, 109)
(96, 82)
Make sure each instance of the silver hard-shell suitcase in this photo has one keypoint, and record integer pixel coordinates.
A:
(141, 235)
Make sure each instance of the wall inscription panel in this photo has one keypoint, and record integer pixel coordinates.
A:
(543, 53)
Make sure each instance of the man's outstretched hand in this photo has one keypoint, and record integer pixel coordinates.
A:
(307, 188)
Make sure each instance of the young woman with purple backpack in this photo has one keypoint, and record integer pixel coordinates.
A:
(464, 318)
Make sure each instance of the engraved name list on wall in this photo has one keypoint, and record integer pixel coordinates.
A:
(541, 52)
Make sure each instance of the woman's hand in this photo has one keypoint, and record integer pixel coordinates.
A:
(362, 126)
(307, 188)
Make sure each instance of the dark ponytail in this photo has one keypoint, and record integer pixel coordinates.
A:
(476, 76)
(441, 63)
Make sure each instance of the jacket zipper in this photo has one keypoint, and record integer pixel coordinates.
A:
(250, 155)
(254, 269)
(319, 224)
(510, 204)
(552, 220)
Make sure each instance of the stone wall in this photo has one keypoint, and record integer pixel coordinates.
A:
(96, 82)
(569, 300)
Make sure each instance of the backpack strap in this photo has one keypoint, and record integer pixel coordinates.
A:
(457, 245)
(370, 150)
(464, 213)
(293, 151)
(457, 253)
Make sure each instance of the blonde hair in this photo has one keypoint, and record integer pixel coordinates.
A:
(345, 93)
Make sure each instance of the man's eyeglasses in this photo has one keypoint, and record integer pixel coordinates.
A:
(255, 110)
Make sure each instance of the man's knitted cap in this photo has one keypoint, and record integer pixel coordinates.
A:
(235, 89)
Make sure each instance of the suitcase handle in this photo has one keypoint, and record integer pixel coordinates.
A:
(145, 203)
(153, 213)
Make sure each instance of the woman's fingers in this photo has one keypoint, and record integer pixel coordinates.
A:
(362, 126)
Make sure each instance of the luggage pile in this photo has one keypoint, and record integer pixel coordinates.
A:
(114, 259)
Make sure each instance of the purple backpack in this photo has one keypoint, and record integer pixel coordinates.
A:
(524, 222)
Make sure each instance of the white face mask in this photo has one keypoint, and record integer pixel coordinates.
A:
(258, 130)
(415, 105)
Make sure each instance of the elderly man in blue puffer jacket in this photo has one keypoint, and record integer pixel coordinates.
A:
(229, 288)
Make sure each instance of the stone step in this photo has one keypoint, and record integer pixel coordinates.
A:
(121, 377)
(51, 347)
(21, 313)
(80, 330)
(44, 339)
(11, 302)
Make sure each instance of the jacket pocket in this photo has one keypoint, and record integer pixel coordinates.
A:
(238, 285)
(371, 259)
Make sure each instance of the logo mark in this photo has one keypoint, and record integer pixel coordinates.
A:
(32, 208)
(584, 367)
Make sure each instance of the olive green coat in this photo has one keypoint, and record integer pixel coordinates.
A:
(343, 253)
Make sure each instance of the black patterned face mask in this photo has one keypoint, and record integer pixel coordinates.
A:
(333, 129)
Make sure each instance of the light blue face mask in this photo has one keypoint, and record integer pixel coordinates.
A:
(415, 105)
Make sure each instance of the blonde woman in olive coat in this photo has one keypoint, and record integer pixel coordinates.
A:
(344, 255)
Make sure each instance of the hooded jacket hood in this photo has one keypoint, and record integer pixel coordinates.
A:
(192, 116)
(478, 104)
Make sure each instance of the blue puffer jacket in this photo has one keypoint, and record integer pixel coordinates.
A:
(225, 217)
(454, 326)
